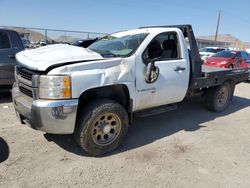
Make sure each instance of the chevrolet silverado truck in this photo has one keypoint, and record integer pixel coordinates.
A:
(94, 92)
(10, 44)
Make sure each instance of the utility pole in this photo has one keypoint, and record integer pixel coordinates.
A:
(46, 36)
(217, 29)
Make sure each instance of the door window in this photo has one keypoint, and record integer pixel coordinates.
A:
(238, 55)
(244, 55)
(164, 46)
(4, 40)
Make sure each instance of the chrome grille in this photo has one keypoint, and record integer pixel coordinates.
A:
(24, 73)
(24, 80)
(26, 91)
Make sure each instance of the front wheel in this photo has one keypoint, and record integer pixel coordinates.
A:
(219, 97)
(102, 127)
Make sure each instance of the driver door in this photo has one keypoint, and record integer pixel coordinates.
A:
(171, 83)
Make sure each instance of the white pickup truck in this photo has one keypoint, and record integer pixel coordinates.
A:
(94, 92)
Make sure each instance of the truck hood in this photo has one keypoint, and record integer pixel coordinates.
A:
(44, 57)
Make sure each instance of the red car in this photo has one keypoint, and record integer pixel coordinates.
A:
(228, 59)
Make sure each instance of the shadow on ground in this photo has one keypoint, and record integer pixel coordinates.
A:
(4, 150)
(188, 117)
(5, 97)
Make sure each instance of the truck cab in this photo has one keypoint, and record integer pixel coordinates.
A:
(134, 49)
(94, 92)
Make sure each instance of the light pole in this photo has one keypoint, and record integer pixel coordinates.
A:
(217, 29)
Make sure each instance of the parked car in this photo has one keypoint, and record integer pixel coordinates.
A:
(10, 44)
(228, 59)
(43, 42)
(208, 51)
(84, 42)
(95, 92)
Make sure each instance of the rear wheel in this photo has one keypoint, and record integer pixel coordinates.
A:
(219, 97)
(102, 127)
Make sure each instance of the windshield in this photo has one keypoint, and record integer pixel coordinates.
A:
(225, 53)
(212, 50)
(110, 46)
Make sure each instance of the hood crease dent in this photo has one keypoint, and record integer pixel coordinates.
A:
(42, 58)
(95, 74)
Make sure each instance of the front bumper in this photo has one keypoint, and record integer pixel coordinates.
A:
(51, 116)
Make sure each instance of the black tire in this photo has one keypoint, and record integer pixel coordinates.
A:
(219, 97)
(91, 126)
(4, 150)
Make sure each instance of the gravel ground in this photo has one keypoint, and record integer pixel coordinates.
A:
(189, 147)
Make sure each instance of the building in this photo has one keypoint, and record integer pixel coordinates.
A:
(206, 43)
(226, 40)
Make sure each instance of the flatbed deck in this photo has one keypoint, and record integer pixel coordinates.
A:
(213, 76)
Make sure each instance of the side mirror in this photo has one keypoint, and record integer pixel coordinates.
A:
(145, 58)
(152, 54)
(152, 72)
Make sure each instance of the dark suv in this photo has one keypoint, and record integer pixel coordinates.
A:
(10, 44)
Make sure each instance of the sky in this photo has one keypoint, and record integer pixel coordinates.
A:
(110, 16)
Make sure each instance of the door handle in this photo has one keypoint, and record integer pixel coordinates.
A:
(11, 56)
(178, 68)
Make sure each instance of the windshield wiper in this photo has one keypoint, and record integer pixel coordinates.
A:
(105, 53)
(108, 54)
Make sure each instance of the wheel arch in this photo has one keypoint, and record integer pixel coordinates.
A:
(119, 93)
(212, 93)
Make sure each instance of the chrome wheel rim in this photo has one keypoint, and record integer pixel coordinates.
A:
(106, 129)
(222, 96)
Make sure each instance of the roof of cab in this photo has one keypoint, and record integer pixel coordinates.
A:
(143, 30)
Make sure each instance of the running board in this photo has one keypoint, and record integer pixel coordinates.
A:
(154, 111)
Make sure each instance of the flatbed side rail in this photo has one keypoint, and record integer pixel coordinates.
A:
(217, 78)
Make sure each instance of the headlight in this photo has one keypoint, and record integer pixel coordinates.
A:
(54, 87)
(223, 62)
